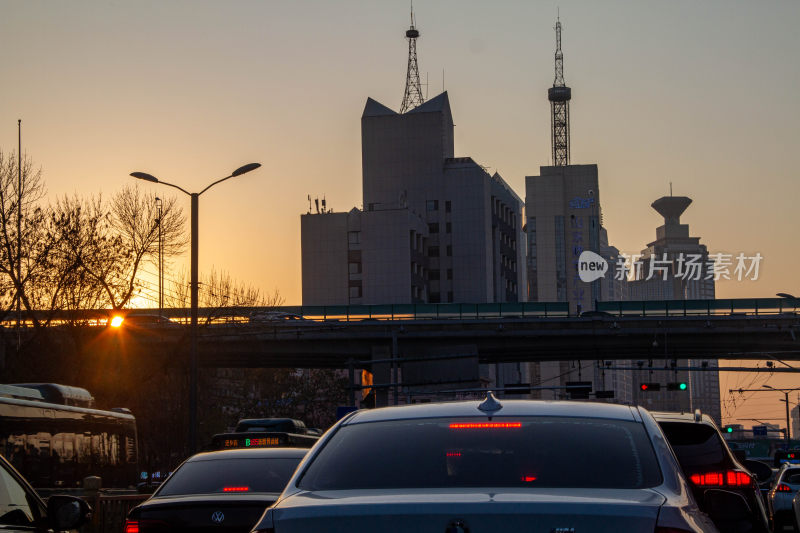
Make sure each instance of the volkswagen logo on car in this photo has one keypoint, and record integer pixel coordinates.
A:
(217, 517)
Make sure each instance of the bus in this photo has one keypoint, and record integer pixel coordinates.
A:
(52, 434)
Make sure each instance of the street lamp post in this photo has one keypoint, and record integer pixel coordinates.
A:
(194, 289)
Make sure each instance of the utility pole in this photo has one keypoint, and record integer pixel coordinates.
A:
(159, 208)
(19, 232)
(785, 392)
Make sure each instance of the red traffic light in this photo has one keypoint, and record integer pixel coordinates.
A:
(648, 387)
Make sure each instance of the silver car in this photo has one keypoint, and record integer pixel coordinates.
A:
(779, 499)
(490, 466)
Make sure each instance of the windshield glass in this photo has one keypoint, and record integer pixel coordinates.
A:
(243, 475)
(519, 452)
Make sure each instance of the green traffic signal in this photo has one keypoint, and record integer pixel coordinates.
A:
(729, 429)
(682, 386)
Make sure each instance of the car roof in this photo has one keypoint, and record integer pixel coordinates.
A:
(250, 453)
(670, 416)
(510, 408)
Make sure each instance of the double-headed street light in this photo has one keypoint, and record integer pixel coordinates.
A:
(194, 289)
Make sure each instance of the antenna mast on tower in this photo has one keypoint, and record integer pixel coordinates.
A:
(413, 95)
(559, 95)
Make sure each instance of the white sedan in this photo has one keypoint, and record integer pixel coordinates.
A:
(490, 466)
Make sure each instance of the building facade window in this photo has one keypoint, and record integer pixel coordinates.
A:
(435, 298)
(433, 274)
(449, 273)
(561, 260)
(448, 206)
(449, 227)
(355, 292)
(433, 227)
(432, 205)
(354, 268)
(433, 251)
(354, 237)
(449, 251)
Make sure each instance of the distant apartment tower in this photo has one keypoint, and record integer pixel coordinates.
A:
(795, 419)
(678, 268)
(562, 220)
(434, 228)
(562, 208)
(689, 275)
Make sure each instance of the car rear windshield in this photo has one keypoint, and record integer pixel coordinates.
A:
(503, 452)
(697, 446)
(242, 475)
(791, 476)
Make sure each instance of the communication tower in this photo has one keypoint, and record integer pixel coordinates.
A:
(413, 95)
(559, 95)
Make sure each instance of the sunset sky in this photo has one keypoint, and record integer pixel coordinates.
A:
(700, 94)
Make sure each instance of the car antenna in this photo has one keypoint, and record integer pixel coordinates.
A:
(490, 405)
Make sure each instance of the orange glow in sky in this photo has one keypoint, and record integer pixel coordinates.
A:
(703, 95)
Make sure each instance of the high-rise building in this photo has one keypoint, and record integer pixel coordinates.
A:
(795, 418)
(434, 228)
(675, 267)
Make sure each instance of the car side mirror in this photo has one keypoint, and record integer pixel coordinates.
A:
(67, 512)
(761, 471)
(726, 505)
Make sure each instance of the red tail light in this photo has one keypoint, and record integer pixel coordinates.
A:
(738, 479)
(485, 425)
(730, 478)
(235, 489)
(131, 526)
(783, 487)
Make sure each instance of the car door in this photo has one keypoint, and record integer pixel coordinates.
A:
(20, 508)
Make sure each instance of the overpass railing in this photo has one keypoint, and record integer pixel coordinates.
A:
(429, 311)
(350, 313)
(732, 306)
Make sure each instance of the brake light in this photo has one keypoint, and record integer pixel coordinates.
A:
(730, 478)
(453, 454)
(783, 487)
(485, 425)
(235, 489)
(528, 479)
(131, 526)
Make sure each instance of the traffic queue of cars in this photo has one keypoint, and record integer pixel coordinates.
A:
(468, 466)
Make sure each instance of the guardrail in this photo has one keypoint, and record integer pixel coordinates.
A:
(461, 311)
(110, 510)
(734, 306)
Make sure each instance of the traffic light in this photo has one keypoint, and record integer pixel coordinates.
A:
(728, 429)
(650, 387)
(678, 385)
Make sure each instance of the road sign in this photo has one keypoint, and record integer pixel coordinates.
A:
(759, 431)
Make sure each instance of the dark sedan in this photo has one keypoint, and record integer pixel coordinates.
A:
(223, 491)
